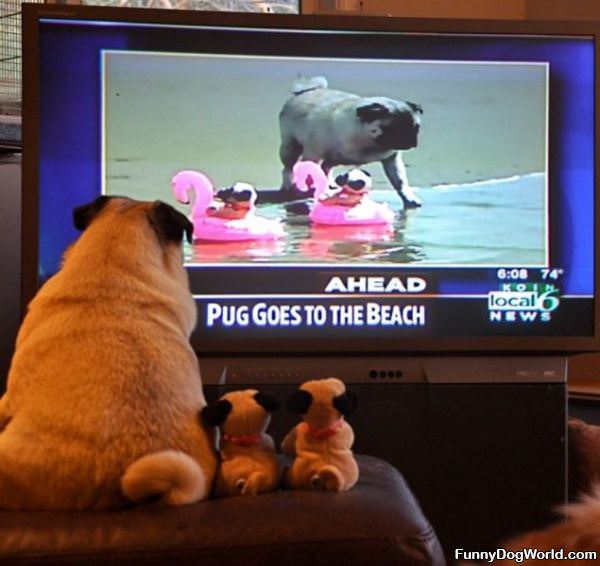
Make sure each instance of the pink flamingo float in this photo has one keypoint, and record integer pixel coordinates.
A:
(308, 174)
(209, 226)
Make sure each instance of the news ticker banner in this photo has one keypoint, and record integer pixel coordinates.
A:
(397, 280)
(503, 313)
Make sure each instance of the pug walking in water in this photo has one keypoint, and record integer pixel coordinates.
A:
(339, 128)
(104, 388)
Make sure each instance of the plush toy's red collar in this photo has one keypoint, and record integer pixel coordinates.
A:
(323, 433)
(243, 439)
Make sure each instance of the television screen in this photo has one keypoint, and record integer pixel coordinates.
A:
(355, 184)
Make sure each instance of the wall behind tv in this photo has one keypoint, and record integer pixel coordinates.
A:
(506, 9)
(470, 9)
(10, 254)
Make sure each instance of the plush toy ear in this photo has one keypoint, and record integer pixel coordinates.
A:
(170, 224)
(370, 112)
(84, 214)
(345, 403)
(299, 402)
(216, 413)
(267, 402)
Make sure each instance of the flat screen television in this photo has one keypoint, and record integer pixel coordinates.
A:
(474, 141)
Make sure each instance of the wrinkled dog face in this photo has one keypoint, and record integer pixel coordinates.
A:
(392, 124)
(356, 180)
(240, 192)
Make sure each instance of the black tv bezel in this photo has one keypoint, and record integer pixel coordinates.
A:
(32, 13)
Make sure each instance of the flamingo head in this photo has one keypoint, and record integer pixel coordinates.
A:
(308, 176)
(196, 182)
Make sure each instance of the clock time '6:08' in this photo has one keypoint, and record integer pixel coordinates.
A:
(517, 273)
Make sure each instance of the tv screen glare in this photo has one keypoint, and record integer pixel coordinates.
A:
(454, 203)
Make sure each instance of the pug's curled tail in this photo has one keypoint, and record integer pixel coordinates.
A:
(306, 84)
(174, 477)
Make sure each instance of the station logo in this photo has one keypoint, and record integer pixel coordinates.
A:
(523, 302)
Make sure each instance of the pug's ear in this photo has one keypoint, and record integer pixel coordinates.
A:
(170, 224)
(345, 403)
(299, 402)
(216, 413)
(267, 402)
(373, 111)
(84, 214)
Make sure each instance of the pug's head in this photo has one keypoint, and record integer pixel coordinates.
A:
(392, 124)
(131, 248)
(239, 195)
(355, 181)
(169, 225)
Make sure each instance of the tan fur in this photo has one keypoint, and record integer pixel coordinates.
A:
(246, 470)
(103, 373)
(579, 531)
(174, 475)
(321, 463)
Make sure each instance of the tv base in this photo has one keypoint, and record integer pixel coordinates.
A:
(385, 369)
(481, 441)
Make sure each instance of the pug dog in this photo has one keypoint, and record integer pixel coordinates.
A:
(104, 388)
(352, 186)
(234, 203)
(339, 128)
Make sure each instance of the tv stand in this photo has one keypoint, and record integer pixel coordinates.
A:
(481, 440)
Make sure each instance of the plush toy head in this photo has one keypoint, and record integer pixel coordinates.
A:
(322, 402)
(241, 413)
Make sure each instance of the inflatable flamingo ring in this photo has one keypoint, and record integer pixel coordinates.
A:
(218, 221)
(308, 174)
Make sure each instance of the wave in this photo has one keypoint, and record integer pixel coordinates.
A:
(489, 182)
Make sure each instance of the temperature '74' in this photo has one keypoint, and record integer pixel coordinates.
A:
(552, 273)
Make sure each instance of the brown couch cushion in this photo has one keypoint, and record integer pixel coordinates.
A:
(377, 522)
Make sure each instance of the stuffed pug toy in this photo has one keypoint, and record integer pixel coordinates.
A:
(321, 444)
(248, 462)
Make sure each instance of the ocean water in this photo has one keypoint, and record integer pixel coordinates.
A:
(495, 222)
